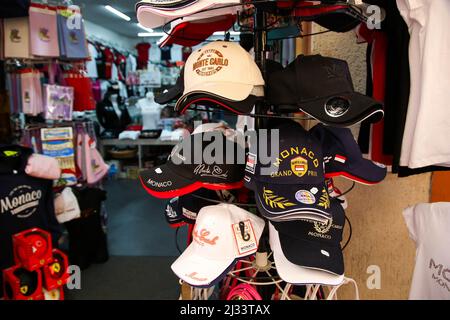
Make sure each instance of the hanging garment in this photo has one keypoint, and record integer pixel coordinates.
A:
(91, 65)
(72, 37)
(25, 202)
(31, 92)
(166, 53)
(89, 160)
(109, 61)
(87, 240)
(378, 49)
(43, 30)
(131, 65)
(82, 86)
(427, 128)
(429, 227)
(58, 102)
(16, 38)
(143, 55)
(100, 61)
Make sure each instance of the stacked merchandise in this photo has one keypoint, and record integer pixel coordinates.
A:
(35, 46)
(40, 272)
(292, 182)
(26, 197)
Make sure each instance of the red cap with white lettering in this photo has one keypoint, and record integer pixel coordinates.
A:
(222, 234)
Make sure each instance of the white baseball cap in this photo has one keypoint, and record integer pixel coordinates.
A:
(294, 274)
(152, 17)
(222, 234)
(221, 68)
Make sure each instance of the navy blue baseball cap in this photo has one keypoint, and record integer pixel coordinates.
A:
(291, 185)
(343, 157)
(184, 209)
(314, 245)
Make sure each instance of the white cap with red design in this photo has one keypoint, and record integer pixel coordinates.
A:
(222, 234)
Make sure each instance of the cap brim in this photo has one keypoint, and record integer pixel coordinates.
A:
(366, 172)
(361, 108)
(310, 254)
(198, 271)
(227, 90)
(198, 97)
(292, 273)
(166, 184)
(278, 202)
(171, 94)
(179, 185)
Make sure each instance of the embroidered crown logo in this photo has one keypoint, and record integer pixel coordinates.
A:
(275, 201)
(323, 227)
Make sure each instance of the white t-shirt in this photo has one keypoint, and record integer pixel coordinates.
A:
(91, 65)
(427, 128)
(429, 227)
(131, 64)
(151, 113)
(154, 53)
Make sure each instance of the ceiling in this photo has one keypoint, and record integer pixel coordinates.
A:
(94, 11)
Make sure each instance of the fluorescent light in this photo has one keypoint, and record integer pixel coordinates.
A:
(117, 13)
(151, 34)
(144, 28)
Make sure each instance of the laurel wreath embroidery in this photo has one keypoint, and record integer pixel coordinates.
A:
(275, 201)
(324, 200)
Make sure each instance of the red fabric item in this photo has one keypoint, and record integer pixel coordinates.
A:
(143, 55)
(192, 33)
(109, 60)
(83, 94)
(378, 39)
(121, 62)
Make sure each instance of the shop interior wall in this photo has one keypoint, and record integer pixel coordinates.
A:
(380, 240)
(119, 41)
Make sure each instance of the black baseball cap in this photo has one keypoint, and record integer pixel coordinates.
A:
(292, 186)
(214, 101)
(343, 157)
(172, 93)
(184, 209)
(321, 87)
(314, 245)
(188, 170)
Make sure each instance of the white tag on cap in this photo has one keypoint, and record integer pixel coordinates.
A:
(251, 163)
(245, 237)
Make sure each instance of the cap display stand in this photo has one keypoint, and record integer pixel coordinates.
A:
(262, 262)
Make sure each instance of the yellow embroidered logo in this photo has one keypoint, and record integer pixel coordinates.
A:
(275, 201)
(324, 200)
(209, 62)
(299, 166)
(323, 227)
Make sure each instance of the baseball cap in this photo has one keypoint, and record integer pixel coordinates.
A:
(292, 186)
(314, 245)
(292, 273)
(343, 157)
(173, 93)
(184, 209)
(222, 234)
(221, 68)
(188, 170)
(151, 17)
(214, 101)
(321, 87)
(191, 31)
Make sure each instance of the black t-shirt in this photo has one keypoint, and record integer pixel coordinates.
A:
(25, 202)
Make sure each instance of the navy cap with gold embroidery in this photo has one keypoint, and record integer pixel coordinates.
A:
(291, 185)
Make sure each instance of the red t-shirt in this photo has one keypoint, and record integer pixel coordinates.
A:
(143, 55)
(109, 60)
